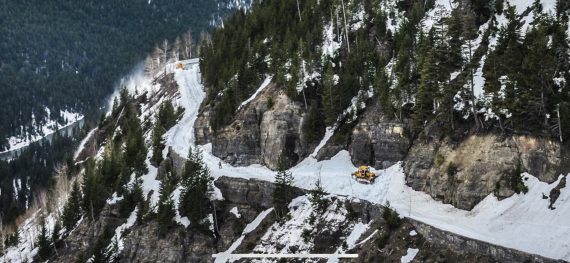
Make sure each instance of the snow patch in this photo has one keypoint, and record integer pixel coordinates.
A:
(263, 85)
(250, 227)
(235, 211)
(328, 134)
(410, 255)
(329, 47)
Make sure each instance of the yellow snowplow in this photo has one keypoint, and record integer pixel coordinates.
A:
(364, 175)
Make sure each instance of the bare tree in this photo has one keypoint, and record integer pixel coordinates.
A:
(204, 39)
(187, 44)
(176, 48)
(165, 53)
(149, 66)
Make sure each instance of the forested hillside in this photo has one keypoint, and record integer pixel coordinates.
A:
(457, 65)
(67, 55)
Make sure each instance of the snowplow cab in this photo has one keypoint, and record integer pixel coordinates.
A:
(364, 175)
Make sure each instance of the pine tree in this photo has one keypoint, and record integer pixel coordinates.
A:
(94, 192)
(111, 165)
(382, 90)
(143, 211)
(157, 144)
(55, 234)
(318, 201)
(196, 190)
(72, 211)
(43, 242)
(166, 115)
(282, 193)
(166, 212)
(328, 96)
(424, 107)
(470, 34)
(135, 149)
(133, 197)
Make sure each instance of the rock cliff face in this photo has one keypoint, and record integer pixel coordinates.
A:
(464, 174)
(460, 173)
(260, 132)
(87, 234)
(246, 200)
(378, 141)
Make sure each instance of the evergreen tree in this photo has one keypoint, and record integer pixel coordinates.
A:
(94, 192)
(143, 211)
(196, 191)
(55, 234)
(157, 144)
(166, 115)
(282, 192)
(318, 201)
(313, 123)
(135, 148)
(133, 197)
(166, 212)
(469, 35)
(72, 211)
(382, 90)
(424, 107)
(111, 166)
(43, 242)
(328, 97)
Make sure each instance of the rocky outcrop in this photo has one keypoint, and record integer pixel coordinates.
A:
(475, 248)
(381, 242)
(144, 245)
(87, 234)
(466, 173)
(378, 141)
(261, 130)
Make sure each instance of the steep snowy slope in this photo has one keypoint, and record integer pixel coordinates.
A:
(498, 222)
(493, 221)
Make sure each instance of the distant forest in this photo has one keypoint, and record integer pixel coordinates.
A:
(67, 55)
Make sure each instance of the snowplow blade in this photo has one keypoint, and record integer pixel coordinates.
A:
(364, 180)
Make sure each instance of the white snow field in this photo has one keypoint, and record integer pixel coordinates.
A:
(522, 222)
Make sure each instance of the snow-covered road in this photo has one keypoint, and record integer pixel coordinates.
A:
(181, 136)
(523, 222)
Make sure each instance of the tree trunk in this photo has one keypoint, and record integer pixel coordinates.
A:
(559, 123)
(345, 27)
(473, 108)
(299, 11)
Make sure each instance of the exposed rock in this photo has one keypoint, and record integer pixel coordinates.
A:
(555, 192)
(87, 234)
(202, 129)
(144, 245)
(480, 165)
(253, 192)
(378, 141)
(141, 243)
(258, 134)
(484, 252)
